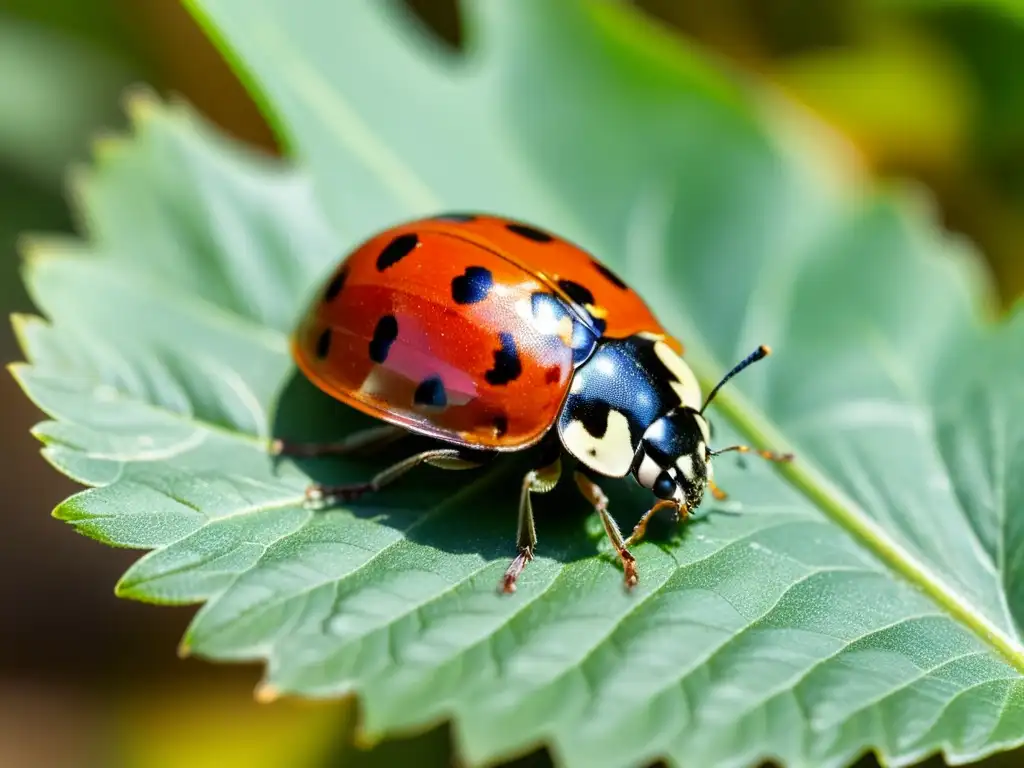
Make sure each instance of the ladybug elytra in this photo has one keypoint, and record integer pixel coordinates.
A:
(490, 335)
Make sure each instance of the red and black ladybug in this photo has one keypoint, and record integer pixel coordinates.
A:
(491, 335)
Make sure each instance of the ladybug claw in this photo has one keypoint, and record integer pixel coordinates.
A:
(631, 578)
(508, 582)
(319, 496)
(315, 497)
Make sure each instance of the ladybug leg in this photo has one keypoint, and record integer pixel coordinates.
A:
(592, 492)
(717, 492)
(364, 441)
(641, 527)
(448, 458)
(536, 481)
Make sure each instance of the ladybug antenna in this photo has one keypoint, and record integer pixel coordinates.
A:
(758, 354)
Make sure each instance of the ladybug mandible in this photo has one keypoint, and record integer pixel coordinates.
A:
(490, 335)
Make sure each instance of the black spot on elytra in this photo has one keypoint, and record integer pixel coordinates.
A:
(396, 250)
(610, 276)
(337, 283)
(472, 286)
(431, 392)
(552, 374)
(459, 217)
(506, 362)
(576, 292)
(384, 336)
(530, 233)
(500, 426)
(581, 295)
(323, 343)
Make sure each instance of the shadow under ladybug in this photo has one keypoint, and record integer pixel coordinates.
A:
(436, 509)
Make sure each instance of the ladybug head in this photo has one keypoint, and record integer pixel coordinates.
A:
(674, 457)
(674, 460)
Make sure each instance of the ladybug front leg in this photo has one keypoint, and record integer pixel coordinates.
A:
(364, 441)
(447, 458)
(717, 492)
(593, 493)
(536, 481)
(641, 527)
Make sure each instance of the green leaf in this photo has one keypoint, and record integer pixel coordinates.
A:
(869, 596)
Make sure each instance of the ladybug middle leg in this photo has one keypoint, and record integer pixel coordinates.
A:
(539, 480)
(446, 458)
(592, 492)
(681, 513)
(364, 441)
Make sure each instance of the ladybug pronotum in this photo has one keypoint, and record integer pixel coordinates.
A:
(489, 335)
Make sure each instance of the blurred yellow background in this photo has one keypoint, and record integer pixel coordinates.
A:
(932, 91)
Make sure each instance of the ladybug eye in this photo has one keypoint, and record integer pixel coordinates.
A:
(664, 486)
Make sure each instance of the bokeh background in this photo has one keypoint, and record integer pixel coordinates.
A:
(931, 90)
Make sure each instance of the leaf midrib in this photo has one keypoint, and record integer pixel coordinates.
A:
(815, 486)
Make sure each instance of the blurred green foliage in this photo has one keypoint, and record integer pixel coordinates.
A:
(61, 76)
(925, 89)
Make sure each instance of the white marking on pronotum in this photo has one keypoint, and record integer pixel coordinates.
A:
(685, 384)
(610, 454)
(705, 430)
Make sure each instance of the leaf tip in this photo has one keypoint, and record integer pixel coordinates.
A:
(185, 647)
(31, 247)
(16, 370)
(125, 590)
(106, 146)
(266, 693)
(141, 103)
(37, 248)
(365, 740)
(131, 587)
(38, 431)
(21, 324)
(69, 512)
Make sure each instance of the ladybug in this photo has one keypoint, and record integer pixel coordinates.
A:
(490, 335)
